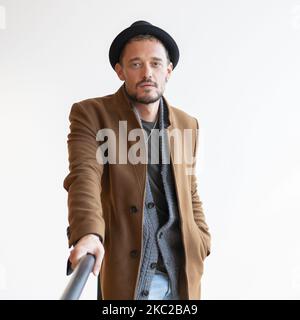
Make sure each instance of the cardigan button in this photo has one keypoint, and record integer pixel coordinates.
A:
(134, 253)
(145, 292)
(160, 235)
(133, 209)
(153, 265)
(150, 205)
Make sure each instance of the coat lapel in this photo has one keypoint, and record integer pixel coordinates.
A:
(125, 111)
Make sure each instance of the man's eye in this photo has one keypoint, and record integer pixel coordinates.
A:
(156, 64)
(136, 64)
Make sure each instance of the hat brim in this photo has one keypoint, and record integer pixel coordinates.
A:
(123, 37)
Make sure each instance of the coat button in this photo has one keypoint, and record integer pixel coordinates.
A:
(153, 265)
(145, 292)
(150, 205)
(160, 235)
(134, 253)
(133, 209)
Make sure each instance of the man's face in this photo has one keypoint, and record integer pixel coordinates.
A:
(145, 70)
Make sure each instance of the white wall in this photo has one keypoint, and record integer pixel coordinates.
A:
(239, 74)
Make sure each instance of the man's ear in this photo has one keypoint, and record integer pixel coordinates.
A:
(119, 71)
(169, 71)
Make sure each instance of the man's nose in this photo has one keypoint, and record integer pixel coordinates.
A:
(147, 71)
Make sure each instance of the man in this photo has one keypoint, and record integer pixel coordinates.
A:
(142, 219)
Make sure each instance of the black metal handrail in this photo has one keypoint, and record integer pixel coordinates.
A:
(79, 278)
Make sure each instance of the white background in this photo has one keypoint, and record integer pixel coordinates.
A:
(239, 74)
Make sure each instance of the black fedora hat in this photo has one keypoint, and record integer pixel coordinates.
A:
(142, 27)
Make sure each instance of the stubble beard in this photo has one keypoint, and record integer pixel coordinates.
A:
(146, 99)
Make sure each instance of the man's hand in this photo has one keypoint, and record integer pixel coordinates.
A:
(88, 244)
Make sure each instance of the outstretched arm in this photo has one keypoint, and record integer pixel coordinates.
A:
(83, 184)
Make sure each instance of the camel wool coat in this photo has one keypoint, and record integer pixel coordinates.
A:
(107, 199)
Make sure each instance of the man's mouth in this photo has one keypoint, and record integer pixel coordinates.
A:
(147, 85)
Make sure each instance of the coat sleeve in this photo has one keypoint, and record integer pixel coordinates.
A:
(197, 204)
(83, 183)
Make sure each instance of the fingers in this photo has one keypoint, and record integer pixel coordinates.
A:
(88, 245)
(75, 255)
(99, 257)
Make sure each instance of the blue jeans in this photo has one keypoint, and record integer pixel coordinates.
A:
(160, 287)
